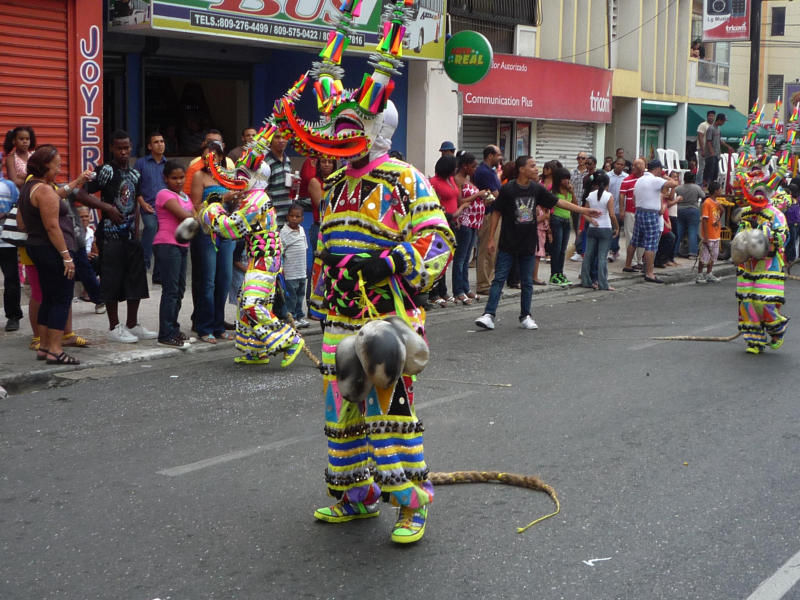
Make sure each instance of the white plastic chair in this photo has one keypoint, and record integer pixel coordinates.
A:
(673, 162)
(661, 154)
(723, 169)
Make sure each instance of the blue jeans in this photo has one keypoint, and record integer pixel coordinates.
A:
(791, 252)
(558, 249)
(595, 261)
(295, 293)
(466, 238)
(688, 221)
(149, 229)
(171, 262)
(86, 275)
(501, 270)
(216, 274)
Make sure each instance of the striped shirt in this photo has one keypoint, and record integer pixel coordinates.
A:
(626, 187)
(277, 188)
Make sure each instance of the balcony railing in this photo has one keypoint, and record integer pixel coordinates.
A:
(713, 73)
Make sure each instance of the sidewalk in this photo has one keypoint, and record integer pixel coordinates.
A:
(19, 367)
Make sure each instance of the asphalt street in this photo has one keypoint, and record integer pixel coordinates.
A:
(195, 478)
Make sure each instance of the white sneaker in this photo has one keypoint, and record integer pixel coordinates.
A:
(528, 323)
(701, 278)
(711, 278)
(486, 321)
(576, 257)
(99, 308)
(302, 324)
(121, 334)
(141, 333)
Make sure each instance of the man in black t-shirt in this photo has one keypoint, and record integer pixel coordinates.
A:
(123, 276)
(517, 204)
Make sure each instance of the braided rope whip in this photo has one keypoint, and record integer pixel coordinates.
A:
(530, 482)
(698, 338)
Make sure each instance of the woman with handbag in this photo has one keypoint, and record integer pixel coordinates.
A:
(45, 217)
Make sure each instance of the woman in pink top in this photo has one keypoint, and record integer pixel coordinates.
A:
(449, 194)
(172, 207)
(19, 145)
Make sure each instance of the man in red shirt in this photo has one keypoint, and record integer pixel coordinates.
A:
(628, 209)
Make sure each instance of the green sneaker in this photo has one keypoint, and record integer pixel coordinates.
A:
(776, 342)
(342, 511)
(555, 279)
(291, 354)
(247, 359)
(753, 349)
(563, 281)
(410, 525)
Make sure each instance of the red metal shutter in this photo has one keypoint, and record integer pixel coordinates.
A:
(34, 82)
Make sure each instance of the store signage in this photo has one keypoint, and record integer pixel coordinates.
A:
(467, 57)
(726, 20)
(531, 88)
(90, 90)
(295, 22)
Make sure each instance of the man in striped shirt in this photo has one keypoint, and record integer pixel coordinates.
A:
(627, 208)
(280, 181)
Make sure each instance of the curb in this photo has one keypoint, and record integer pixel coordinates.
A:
(60, 375)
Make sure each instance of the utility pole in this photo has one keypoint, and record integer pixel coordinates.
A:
(755, 50)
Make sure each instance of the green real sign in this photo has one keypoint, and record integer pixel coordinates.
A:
(467, 57)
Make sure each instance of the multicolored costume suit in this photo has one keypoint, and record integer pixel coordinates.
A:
(760, 282)
(259, 333)
(386, 208)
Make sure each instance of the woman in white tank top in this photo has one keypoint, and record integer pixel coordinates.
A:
(594, 271)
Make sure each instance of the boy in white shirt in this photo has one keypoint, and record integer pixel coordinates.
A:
(295, 244)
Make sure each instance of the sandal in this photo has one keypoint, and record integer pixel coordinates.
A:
(41, 354)
(463, 299)
(74, 340)
(208, 339)
(62, 359)
(539, 282)
(440, 302)
(225, 336)
(34, 345)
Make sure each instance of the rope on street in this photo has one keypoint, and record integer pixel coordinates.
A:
(530, 482)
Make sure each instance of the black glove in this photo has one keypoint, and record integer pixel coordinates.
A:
(373, 270)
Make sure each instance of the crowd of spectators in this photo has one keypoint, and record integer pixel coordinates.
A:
(509, 219)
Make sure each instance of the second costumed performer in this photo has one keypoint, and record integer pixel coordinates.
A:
(384, 240)
(247, 213)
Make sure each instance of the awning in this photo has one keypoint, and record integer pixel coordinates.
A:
(732, 130)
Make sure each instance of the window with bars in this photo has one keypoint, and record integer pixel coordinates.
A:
(507, 12)
(496, 19)
(778, 21)
(774, 87)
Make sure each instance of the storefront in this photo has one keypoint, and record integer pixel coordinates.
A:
(548, 109)
(51, 76)
(182, 67)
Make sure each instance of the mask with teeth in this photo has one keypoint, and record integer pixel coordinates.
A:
(356, 123)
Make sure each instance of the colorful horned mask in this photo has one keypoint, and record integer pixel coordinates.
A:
(758, 185)
(354, 123)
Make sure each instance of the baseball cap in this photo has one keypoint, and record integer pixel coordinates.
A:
(447, 146)
(654, 164)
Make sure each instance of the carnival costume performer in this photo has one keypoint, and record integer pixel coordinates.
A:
(259, 333)
(383, 242)
(761, 237)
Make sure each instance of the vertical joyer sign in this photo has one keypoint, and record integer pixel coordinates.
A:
(726, 20)
(86, 104)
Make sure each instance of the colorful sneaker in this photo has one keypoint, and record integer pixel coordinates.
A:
(753, 349)
(555, 278)
(776, 342)
(563, 281)
(247, 359)
(410, 525)
(291, 354)
(342, 511)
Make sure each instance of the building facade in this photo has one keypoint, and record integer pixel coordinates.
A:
(51, 76)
